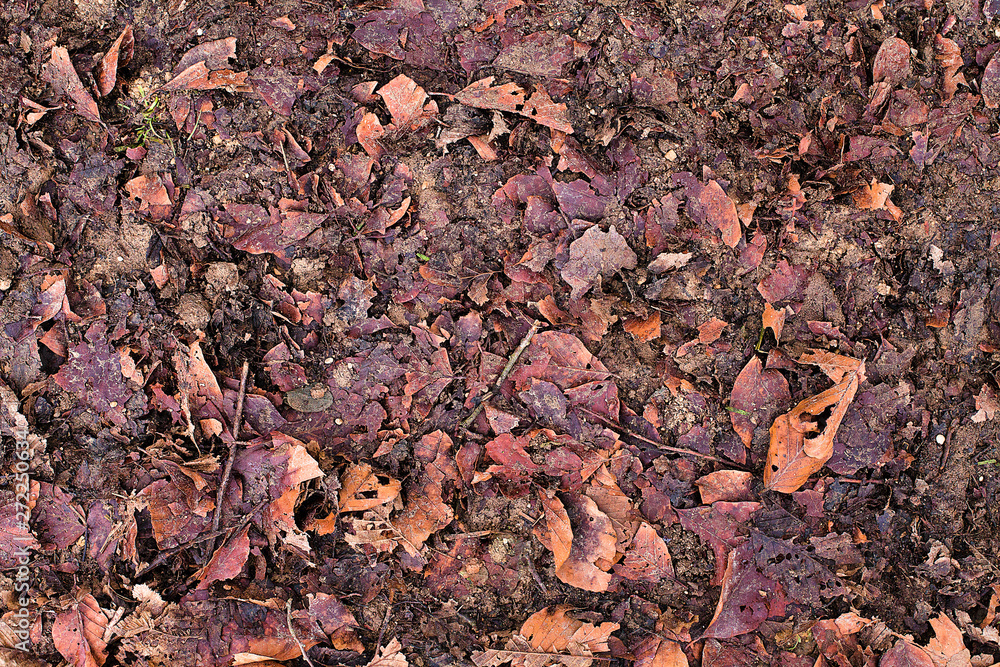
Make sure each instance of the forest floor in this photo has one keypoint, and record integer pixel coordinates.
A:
(439, 333)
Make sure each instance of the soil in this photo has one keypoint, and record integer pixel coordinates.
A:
(179, 225)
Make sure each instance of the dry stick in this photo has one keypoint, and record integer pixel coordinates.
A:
(653, 443)
(237, 425)
(288, 617)
(504, 373)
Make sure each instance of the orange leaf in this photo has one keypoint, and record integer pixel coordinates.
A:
(644, 329)
(579, 535)
(774, 320)
(795, 453)
(60, 74)
(361, 489)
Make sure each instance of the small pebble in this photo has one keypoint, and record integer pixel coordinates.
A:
(940, 439)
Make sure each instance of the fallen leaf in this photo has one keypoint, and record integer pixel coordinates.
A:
(369, 132)
(579, 535)
(361, 489)
(892, 61)
(986, 404)
(119, 55)
(656, 652)
(947, 647)
(989, 84)
(873, 196)
(551, 636)
(78, 633)
(758, 394)
(405, 101)
(774, 319)
(748, 597)
(482, 94)
(541, 109)
(390, 655)
(647, 558)
(59, 72)
(731, 485)
(792, 456)
(710, 205)
(337, 622)
(905, 654)
(644, 329)
(948, 53)
(710, 331)
(228, 560)
(594, 254)
(722, 525)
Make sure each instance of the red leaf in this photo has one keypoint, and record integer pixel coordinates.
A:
(228, 561)
(892, 62)
(483, 95)
(757, 395)
(594, 254)
(748, 597)
(647, 559)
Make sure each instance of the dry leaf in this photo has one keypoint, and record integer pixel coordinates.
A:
(390, 655)
(794, 453)
(548, 637)
(579, 535)
(656, 652)
(119, 55)
(361, 489)
(78, 633)
(947, 648)
(60, 74)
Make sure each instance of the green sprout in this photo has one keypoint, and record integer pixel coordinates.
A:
(422, 257)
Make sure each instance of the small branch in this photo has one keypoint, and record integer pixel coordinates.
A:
(503, 374)
(652, 443)
(228, 470)
(288, 617)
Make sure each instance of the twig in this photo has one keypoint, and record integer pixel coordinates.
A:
(228, 470)
(652, 443)
(288, 617)
(503, 374)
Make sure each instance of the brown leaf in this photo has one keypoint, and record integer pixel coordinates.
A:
(648, 558)
(892, 62)
(579, 535)
(337, 622)
(541, 109)
(227, 562)
(656, 652)
(710, 331)
(215, 54)
(483, 95)
(644, 329)
(948, 53)
(731, 485)
(390, 655)
(773, 319)
(947, 647)
(905, 654)
(713, 206)
(60, 74)
(758, 394)
(548, 637)
(405, 101)
(369, 132)
(78, 633)
(874, 196)
(793, 456)
(119, 55)
(362, 489)
(989, 84)
(594, 254)
(425, 514)
(987, 405)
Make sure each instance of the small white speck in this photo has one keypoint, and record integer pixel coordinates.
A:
(331, 167)
(113, 404)
(350, 366)
(940, 439)
(338, 421)
(328, 361)
(120, 258)
(199, 32)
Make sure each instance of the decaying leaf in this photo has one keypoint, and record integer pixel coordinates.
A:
(551, 636)
(595, 254)
(656, 652)
(647, 558)
(794, 453)
(748, 597)
(61, 75)
(390, 655)
(579, 535)
(78, 633)
(119, 55)
(361, 488)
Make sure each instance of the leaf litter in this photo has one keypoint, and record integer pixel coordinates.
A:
(569, 360)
